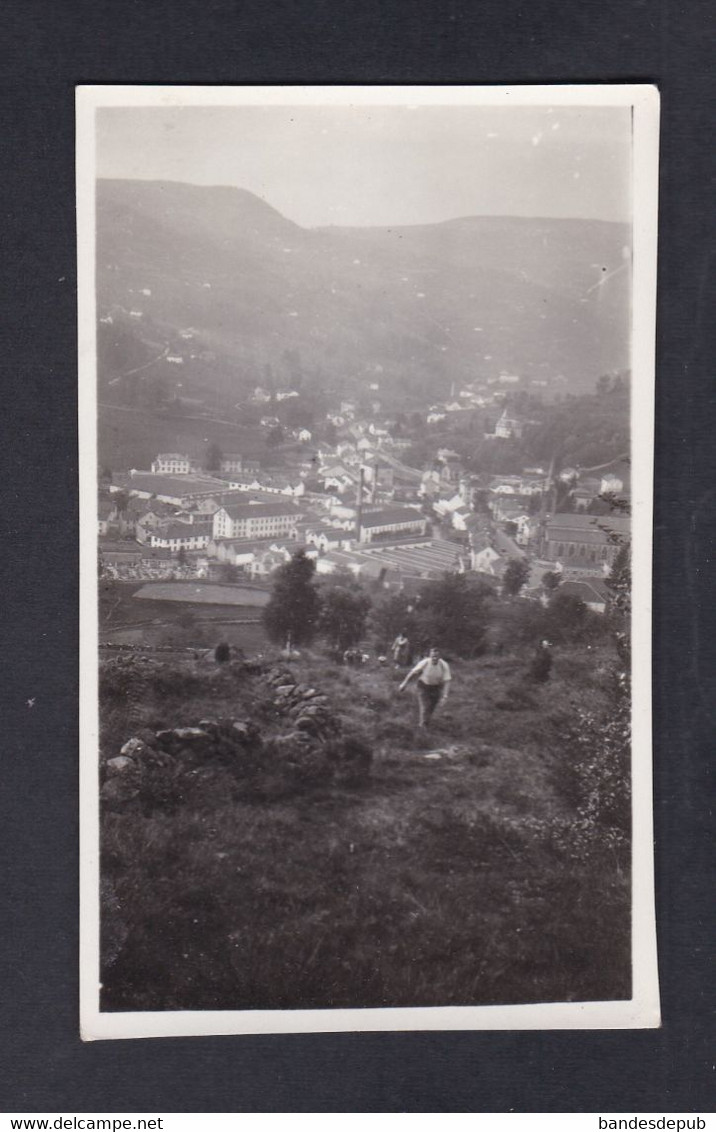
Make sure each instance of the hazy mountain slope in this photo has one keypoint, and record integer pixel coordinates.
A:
(422, 305)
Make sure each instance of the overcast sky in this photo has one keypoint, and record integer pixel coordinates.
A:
(373, 165)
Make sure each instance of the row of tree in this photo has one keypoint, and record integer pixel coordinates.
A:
(459, 613)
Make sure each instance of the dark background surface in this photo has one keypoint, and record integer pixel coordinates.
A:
(47, 49)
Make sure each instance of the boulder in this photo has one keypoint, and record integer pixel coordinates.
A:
(209, 725)
(308, 723)
(117, 793)
(300, 690)
(191, 735)
(165, 739)
(244, 731)
(153, 756)
(120, 765)
(147, 736)
(132, 747)
(315, 709)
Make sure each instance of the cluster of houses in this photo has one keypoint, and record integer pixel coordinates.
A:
(354, 504)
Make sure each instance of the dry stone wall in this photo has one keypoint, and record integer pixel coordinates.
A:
(301, 743)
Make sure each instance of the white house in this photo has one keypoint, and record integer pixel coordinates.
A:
(331, 538)
(430, 483)
(610, 483)
(448, 506)
(461, 517)
(336, 478)
(172, 463)
(509, 426)
(487, 561)
(180, 536)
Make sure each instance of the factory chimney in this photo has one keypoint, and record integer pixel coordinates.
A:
(359, 503)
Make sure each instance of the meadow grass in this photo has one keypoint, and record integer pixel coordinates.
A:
(461, 871)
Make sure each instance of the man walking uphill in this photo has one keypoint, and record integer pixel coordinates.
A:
(433, 684)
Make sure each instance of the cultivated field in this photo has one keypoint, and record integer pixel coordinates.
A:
(187, 622)
(203, 593)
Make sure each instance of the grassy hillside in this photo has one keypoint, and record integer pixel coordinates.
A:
(483, 863)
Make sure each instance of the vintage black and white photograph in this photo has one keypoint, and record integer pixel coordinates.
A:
(366, 401)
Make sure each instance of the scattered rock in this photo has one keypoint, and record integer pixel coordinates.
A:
(120, 764)
(210, 725)
(133, 747)
(118, 793)
(191, 734)
(243, 731)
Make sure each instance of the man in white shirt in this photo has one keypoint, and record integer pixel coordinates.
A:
(433, 684)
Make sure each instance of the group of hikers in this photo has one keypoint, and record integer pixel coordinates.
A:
(432, 674)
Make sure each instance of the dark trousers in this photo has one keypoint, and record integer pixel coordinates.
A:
(428, 699)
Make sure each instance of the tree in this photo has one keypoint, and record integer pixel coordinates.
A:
(564, 501)
(551, 580)
(453, 614)
(274, 436)
(213, 458)
(181, 556)
(120, 500)
(343, 616)
(604, 384)
(390, 615)
(568, 616)
(516, 575)
(480, 501)
(294, 607)
(619, 584)
(228, 572)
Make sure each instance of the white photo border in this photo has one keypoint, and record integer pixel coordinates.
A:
(642, 1010)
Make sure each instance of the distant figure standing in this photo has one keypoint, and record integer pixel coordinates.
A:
(400, 650)
(541, 665)
(434, 678)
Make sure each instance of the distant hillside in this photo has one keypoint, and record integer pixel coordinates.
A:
(413, 308)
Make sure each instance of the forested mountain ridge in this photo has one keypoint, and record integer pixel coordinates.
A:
(421, 306)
